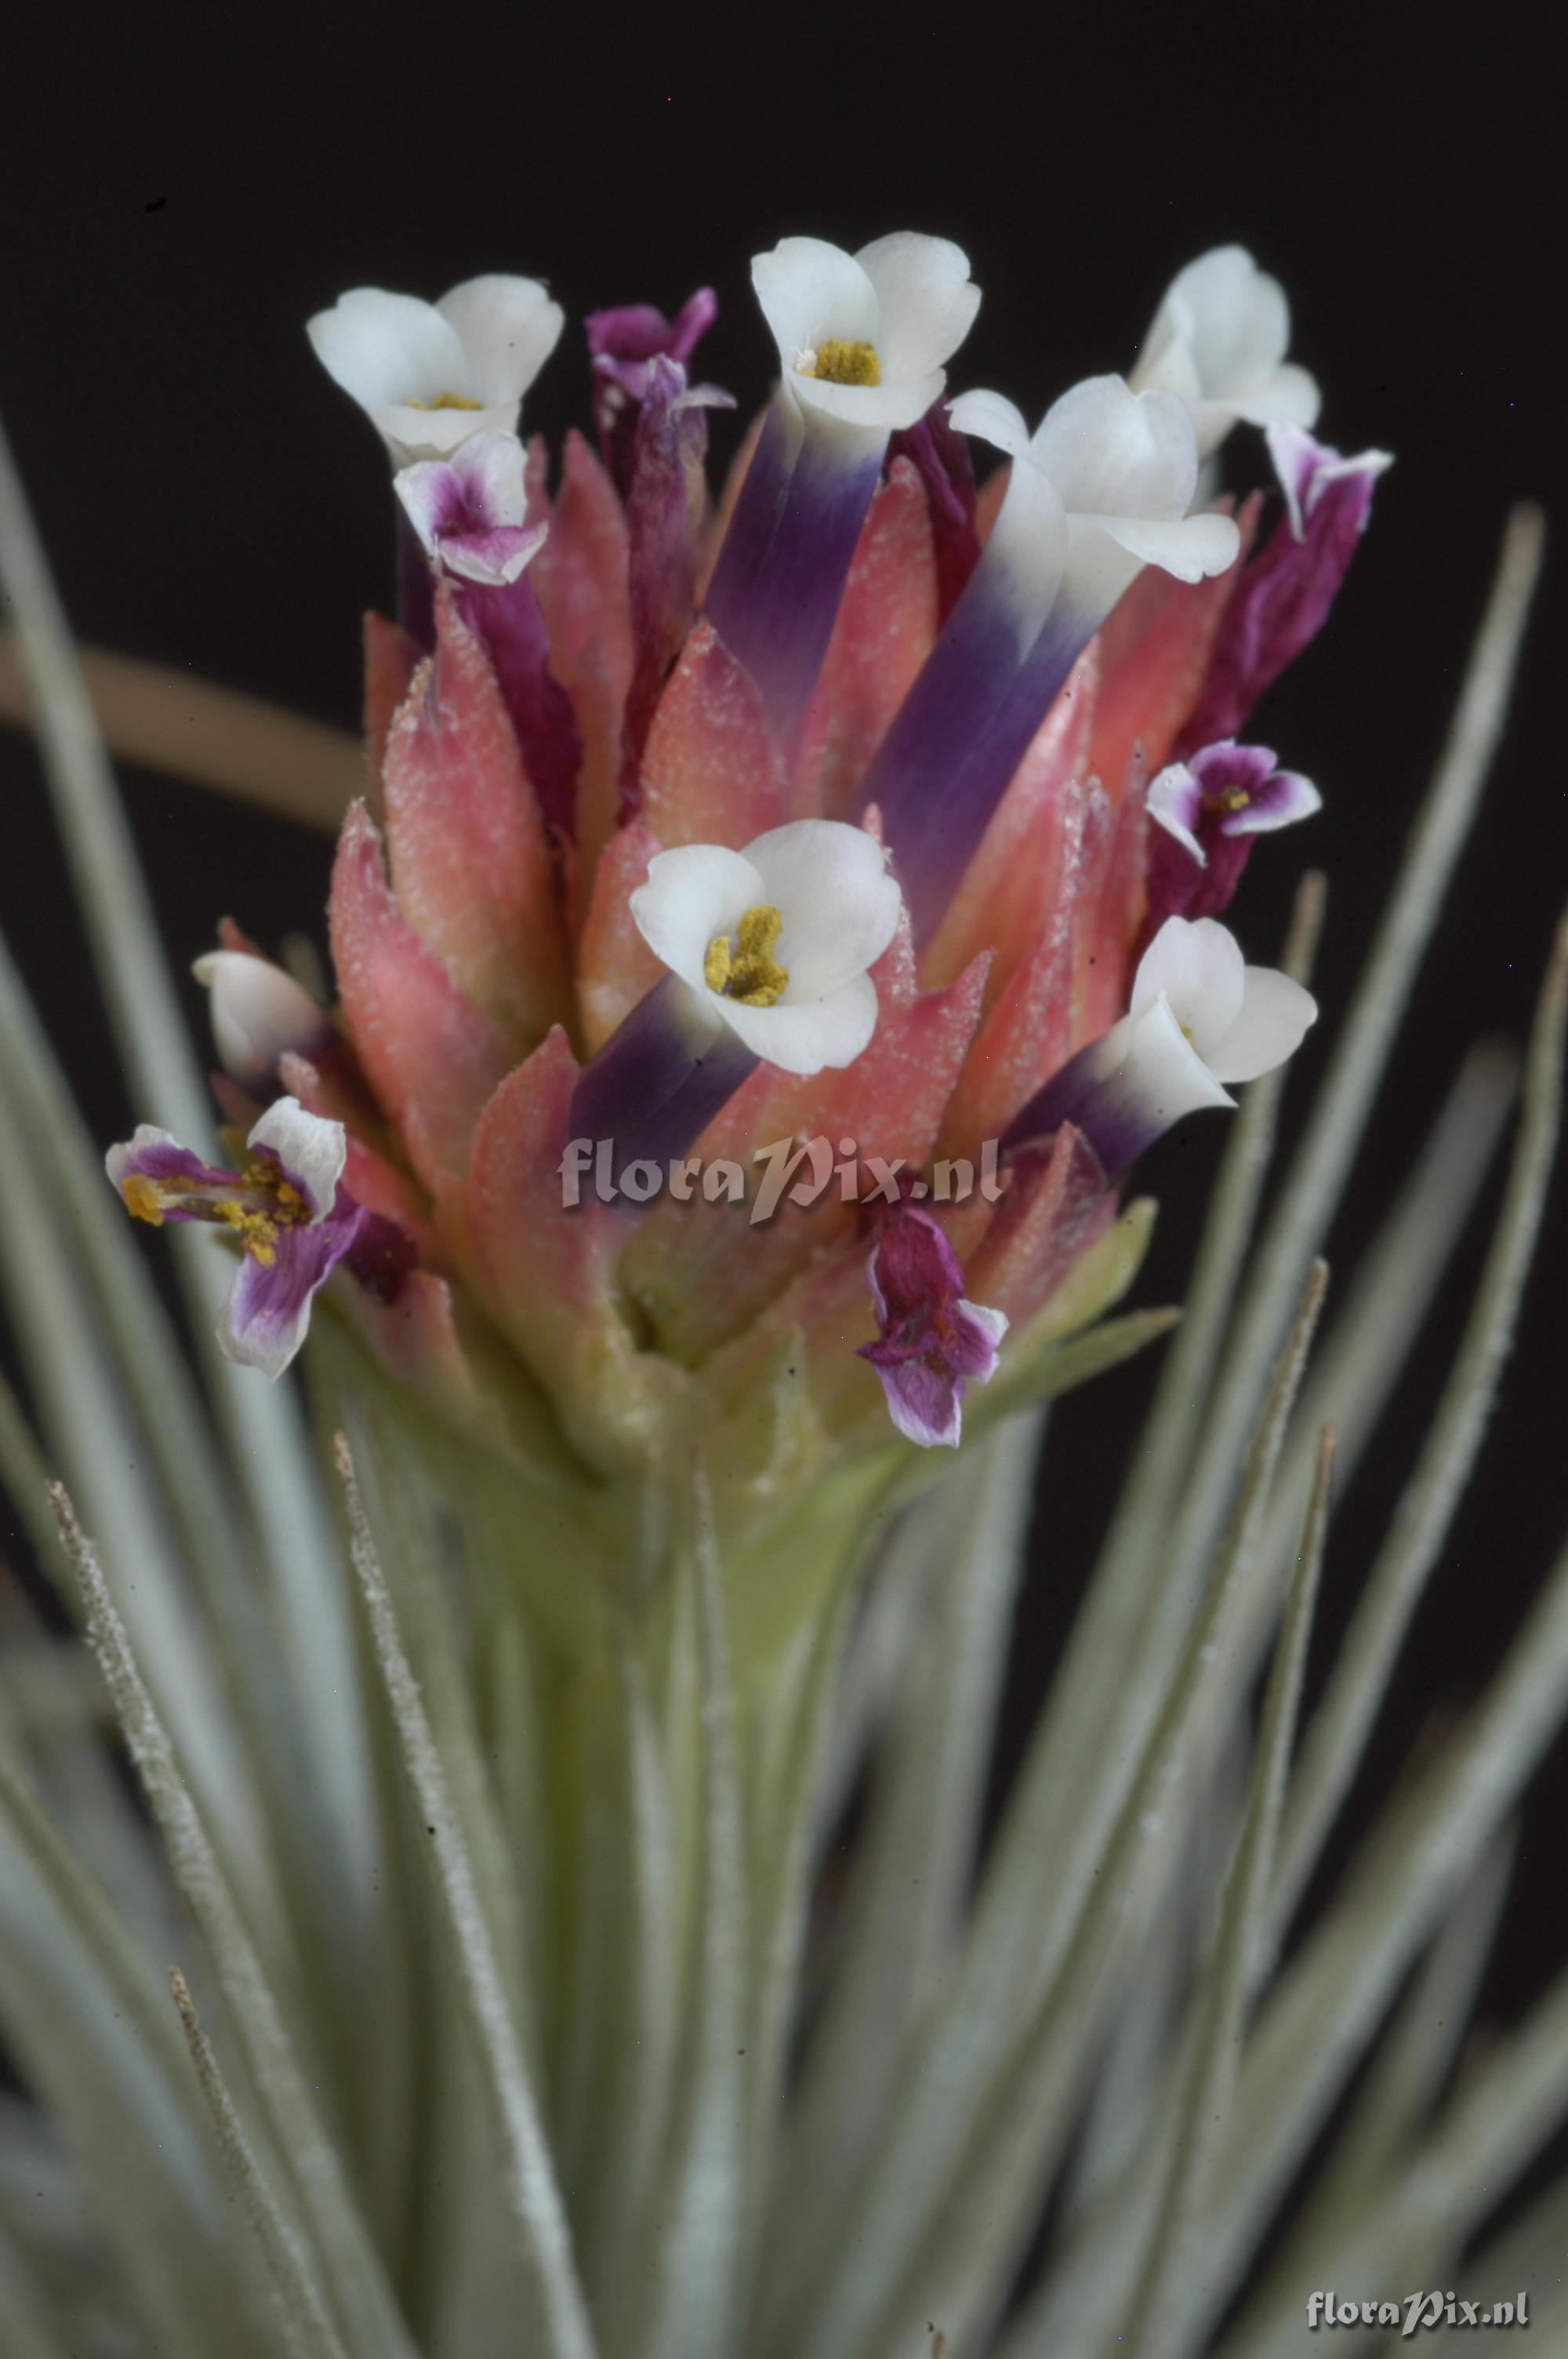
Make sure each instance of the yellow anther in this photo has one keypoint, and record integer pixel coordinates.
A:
(742, 966)
(716, 965)
(848, 364)
(1237, 799)
(143, 1201)
(446, 401)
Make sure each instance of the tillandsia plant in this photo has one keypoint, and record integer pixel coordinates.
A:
(771, 931)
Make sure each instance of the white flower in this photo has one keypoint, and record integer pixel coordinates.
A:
(1200, 1016)
(775, 941)
(1219, 340)
(1098, 492)
(429, 375)
(862, 337)
(259, 1013)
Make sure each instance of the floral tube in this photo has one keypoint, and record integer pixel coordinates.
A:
(861, 340)
(1101, 490)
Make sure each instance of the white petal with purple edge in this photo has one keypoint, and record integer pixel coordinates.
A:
(491, 470)
(992, 1326)
(496, 556)
(1175, 804)
(265, 1319)
(311, 1150)
(1283, 799)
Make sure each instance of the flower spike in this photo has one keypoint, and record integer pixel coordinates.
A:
(931, 1341)
(862, 341)
(1218, 342)
(429, 376)
(1199, 1017)
(1099, 490)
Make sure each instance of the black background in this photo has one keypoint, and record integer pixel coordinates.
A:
(184, 186)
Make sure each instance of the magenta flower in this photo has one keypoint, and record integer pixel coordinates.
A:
(470, 510)
(1207, 812)
(931, 1341)
(1283, 596)
(623, 342)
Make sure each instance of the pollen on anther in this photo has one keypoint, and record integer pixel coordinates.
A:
(838, 361)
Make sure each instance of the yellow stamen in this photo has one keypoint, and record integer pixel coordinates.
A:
(143, 1200)
(264, 1204)
(1237, 799)
(848, 364)
(446, 401)
(744, 967)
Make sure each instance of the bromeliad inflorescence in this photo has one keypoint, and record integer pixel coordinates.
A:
(867, 808)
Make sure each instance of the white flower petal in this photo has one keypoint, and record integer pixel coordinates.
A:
(1110, 451)
(311, 1150)
(1195, 965)
(1273, 1020)
(810, 291)
(389, 350)
(1218, 339)
(692, 893)
(1188, 546)
(925, 302)
(258, 1012)
(830, 885)
(1160, 1074)
(1175, 804)
(803, 1039)
(1234, 317)
(883, 410)
(1291, 397)
(508, 328)
(992, 417)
